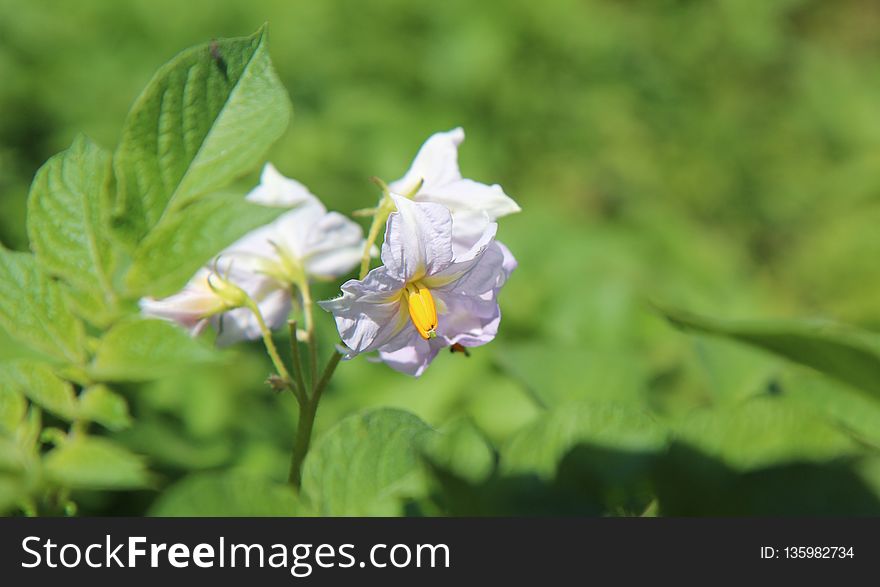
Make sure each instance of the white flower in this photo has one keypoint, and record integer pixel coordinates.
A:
(434, 176)
(219, 301)
(424, 297)
(303, 244)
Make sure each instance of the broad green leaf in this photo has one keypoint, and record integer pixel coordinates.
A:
(850, 410)
(38, 383)
(33, 309)
(365, 464)
(732, 371)
(227, 494)
(846, 354)
(95, 463)
(12, 408)
(171, 254)
(100, 404)
(540, 447)
(207, 117)
(69, 221)
(142, 349)
(763, 432)
(461, 449)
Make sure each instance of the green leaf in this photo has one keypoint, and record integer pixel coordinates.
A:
(172, 253)
(540, 447)
(95, 463)
(207, 117)
(12, 408)
(459, 448)
(100, 404)
(227, 494)
(68, 221)
(848, 355)
(841, 405)
(143, 349)
(38, 383)
(763, 432)
(33, 309)
(365, 464)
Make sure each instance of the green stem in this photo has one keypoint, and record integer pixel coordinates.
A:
(310, 331)
(306, 422)
(270, 344)
(380, 216)
(300, 391)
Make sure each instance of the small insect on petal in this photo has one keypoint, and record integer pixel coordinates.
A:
(459, 348)
(422, 310)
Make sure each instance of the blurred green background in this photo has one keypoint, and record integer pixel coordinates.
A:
(722, 157)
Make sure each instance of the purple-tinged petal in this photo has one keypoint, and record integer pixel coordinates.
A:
(468, 320)
(413, 357)
(369, 313)
(478, 271)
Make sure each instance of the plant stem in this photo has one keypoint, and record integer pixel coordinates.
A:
(270, 344)
(297, 363)
(306, 422)
(380, 216)
(310, 331)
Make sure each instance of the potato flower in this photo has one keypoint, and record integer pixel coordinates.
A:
(221, 301)
(424, 297)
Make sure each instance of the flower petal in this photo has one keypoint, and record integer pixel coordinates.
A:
(369, 314)
(414, 356)
(188, 307)
(418, 239)
(508, 265)
(277, 190)
(466, 196)
(474, 273)
(436, 163)
(334, 246)
(468, 320)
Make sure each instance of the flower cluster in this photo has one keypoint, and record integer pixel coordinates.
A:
(437, 286)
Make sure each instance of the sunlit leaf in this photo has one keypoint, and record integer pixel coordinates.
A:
(207, 117)
(38, 383)
(100, 404)
(33, 309)
(69, 223)
(365, 464)
(95, 463)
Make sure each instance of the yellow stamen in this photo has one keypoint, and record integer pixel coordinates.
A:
(422, 311)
